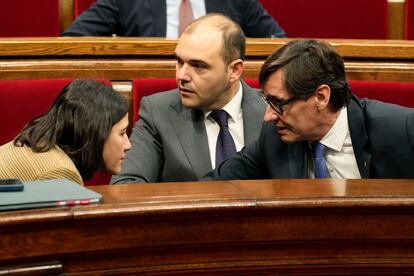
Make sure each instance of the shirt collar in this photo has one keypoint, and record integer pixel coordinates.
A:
(233, 108)
(336, 136)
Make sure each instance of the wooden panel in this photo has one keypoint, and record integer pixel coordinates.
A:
(293, 227)
(123, 59)
(396, 19)
(66, 14)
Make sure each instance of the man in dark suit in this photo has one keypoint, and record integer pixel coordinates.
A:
(176, 136)
(150, 18)
(310, 106)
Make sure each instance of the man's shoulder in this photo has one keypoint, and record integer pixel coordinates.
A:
(164, 97)
(375, 108)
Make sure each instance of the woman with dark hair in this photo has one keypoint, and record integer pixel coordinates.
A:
(85, 130)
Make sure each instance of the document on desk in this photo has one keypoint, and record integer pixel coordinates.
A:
(48, 193)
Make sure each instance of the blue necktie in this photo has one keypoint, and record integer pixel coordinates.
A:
(319, 159)
(225, 145)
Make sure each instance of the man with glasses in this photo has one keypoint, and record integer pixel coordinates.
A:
(180, 135)
(315, 127)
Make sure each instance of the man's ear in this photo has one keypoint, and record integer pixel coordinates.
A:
(236, 70)
(322, 96)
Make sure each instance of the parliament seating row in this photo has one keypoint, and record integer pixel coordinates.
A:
(23, 100)
(300, 18)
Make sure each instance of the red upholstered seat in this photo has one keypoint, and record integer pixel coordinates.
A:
(356, 19)
(23, 100)
(81, 5)
(409, 19)
(29, 18)
(401, 93)
(146, 86)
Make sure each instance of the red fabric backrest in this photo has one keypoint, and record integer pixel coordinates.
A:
(81, 5)
(409, 19)
(29, 18)
(23, 100)
(356, 19)
(401, 93)
(146, 86)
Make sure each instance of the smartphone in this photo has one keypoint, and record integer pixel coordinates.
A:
(11, 185)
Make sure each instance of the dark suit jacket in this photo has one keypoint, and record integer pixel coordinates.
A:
(169, 142)
(382, 137)
(148, 18)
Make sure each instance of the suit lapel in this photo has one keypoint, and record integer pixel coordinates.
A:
(359, 136)
(159, 15)
(298, 159)
(253, 111)
(191, 133)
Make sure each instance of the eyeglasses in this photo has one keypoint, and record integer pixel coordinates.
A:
(275, 104)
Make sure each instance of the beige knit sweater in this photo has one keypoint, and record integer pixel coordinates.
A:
(24, 164)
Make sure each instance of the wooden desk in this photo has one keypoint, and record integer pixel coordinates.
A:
(123, 59)
(295, 227)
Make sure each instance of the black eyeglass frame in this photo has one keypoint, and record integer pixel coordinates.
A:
(277, 105)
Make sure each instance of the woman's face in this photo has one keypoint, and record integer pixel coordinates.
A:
(116, 145)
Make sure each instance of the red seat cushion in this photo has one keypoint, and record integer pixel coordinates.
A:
(23, 100)
(354, 19)
(401, 93)
(146, 86)
(81, 5)
(409, 19)
(29, 18)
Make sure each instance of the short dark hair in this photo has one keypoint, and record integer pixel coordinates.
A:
(79, 122)
(234, 40)
(307, 64)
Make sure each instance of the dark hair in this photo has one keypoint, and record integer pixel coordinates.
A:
(79, 122)
(234, 40)
(307, 64)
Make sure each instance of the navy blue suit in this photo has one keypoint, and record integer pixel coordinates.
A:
(148, 18)
(382, 138)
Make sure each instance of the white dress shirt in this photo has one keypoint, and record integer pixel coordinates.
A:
(173, 7)
(235, 122)
(339, 153)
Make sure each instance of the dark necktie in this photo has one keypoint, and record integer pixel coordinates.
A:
(319, 159)
(185, 16)
(225, 145)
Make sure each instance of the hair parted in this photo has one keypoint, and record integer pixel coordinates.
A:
(79, 122)
(307, 64)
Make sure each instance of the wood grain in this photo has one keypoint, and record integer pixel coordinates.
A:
(293, 227)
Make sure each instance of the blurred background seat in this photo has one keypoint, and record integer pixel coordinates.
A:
(353, 19)
(29, 18)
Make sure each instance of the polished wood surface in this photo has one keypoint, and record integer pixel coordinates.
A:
(124, 59)
(296, 227)
(395, 17)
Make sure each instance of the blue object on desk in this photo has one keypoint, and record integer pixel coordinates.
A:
(11, 185)
(48, 193)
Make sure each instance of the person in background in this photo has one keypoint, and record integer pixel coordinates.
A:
(184, 133)
(83, 131)
(316, 128)
(162, 18)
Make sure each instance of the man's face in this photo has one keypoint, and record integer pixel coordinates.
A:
(300, 118)
(202, 76)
